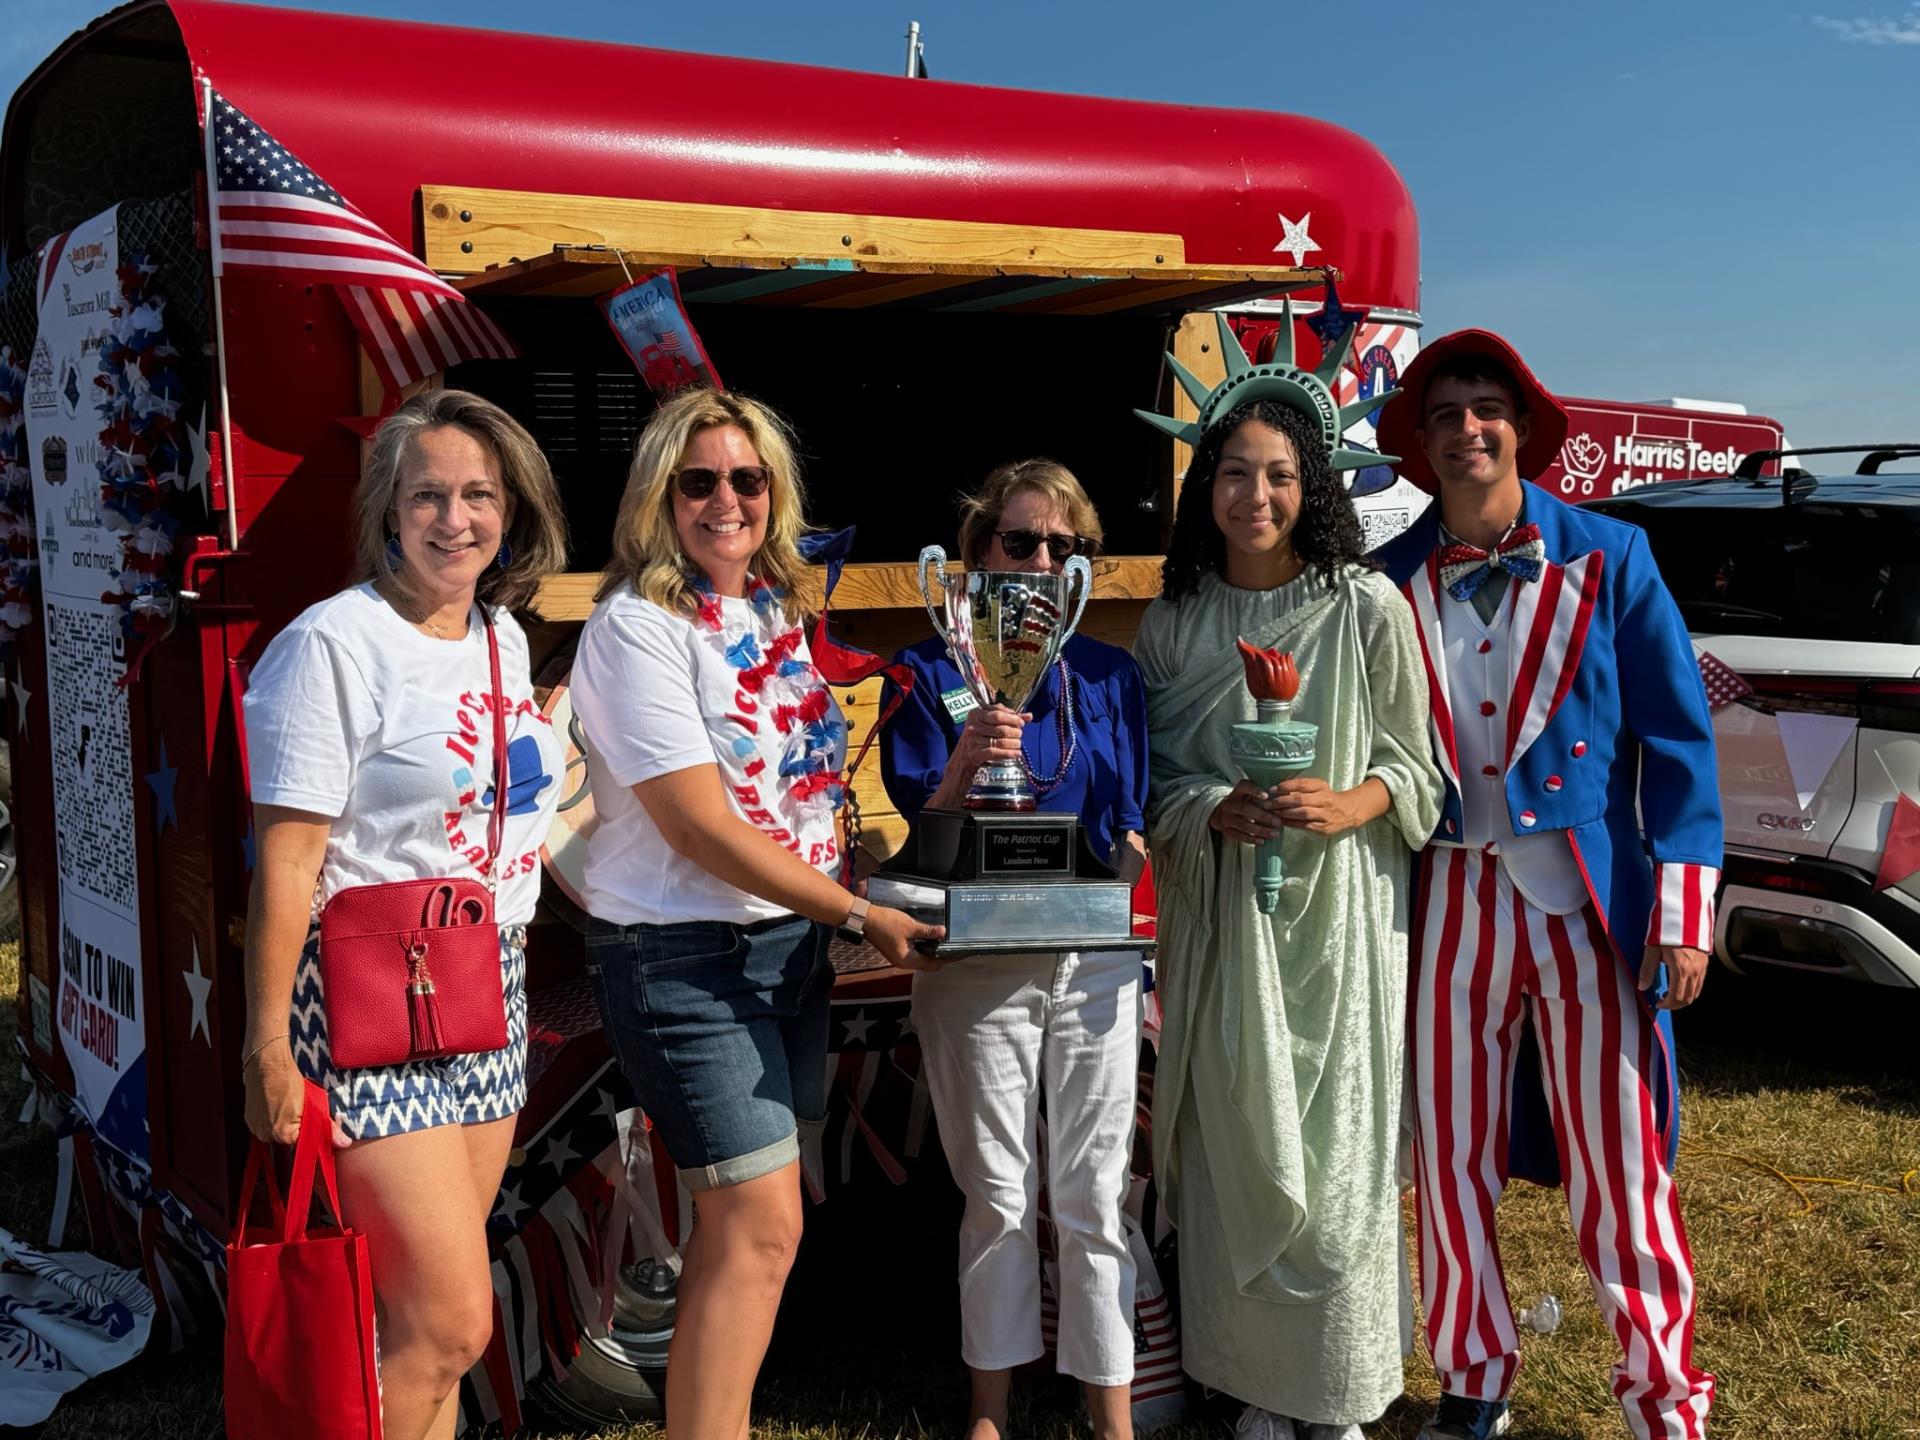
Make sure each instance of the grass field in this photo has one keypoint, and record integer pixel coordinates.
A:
(1810, 1292)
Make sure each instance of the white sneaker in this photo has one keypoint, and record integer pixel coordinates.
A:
(1305, 1431)
(1257, 1424)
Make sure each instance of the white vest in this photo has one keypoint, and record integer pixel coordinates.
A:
(1480, 664)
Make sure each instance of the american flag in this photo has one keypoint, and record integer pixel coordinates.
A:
(1724, 684)
(275, 218)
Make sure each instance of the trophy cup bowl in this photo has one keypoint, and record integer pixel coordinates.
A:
(1003, 629)
(1002, 875)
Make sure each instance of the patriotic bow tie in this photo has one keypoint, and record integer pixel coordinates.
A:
(1465, 568)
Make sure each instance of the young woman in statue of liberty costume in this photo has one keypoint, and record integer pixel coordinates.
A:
(1277, 1106)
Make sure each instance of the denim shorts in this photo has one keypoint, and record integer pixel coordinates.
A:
(721, 1030)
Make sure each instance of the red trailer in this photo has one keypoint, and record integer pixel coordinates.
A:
(928, 277)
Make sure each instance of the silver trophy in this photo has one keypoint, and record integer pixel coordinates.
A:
(1000, 874)
(1003, 629)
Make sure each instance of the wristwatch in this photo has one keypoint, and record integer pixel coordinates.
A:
(854, 927)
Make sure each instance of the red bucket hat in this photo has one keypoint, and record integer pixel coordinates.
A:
(1547, 422)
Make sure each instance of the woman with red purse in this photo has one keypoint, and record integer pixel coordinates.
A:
(403, 781)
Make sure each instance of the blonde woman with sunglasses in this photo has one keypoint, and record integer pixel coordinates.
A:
(998, 1030)
(715, 753)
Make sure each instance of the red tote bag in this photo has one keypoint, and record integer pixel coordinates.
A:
(299, 1306)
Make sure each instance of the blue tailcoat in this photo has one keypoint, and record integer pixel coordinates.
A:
(1607, 713)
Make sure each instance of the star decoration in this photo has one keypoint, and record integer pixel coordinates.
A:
(907, 1028)
(508, 1205)
(199, 986)
(857, 1026)
(1334, 319)
(559, 1153)
(197, 470)
(21, 695)
(161, 781)
(1297, 242)
(608, 1106)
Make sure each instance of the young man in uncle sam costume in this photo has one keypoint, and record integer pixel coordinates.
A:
(1553, 937)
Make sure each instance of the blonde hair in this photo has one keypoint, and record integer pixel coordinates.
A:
(647, 553)
(980, 511)
(536, 528)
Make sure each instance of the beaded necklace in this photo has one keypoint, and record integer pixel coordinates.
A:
(1069, 736)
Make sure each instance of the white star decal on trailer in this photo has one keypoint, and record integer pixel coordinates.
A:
(1297, 242)
(199, 986)
(197, 466)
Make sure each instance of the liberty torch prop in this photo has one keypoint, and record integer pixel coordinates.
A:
(1273, 748)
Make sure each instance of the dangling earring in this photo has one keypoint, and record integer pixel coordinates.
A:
(503, 557)
(396, 557)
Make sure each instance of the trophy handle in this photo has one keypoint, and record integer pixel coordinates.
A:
(936, 557)
(1079, 567)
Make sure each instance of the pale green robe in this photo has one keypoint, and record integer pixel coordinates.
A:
(1277, 1100)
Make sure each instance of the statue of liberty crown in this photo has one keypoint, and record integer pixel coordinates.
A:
(1308, 391)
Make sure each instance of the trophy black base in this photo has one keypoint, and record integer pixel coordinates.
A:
(1007, 883)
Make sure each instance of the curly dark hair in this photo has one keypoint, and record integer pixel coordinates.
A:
(1326, 537)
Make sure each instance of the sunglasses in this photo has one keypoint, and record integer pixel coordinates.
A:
(697, 482)
(1019, 544)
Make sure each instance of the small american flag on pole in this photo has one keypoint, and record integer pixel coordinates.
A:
(1724, 684)
(275, 218)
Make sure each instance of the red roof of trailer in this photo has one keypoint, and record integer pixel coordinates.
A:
(381, 107)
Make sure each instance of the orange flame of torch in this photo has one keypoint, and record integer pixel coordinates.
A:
(1271, 674)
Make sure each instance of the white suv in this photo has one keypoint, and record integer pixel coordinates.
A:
(1809, 588)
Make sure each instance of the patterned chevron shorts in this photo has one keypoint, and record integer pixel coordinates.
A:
(379, 1100)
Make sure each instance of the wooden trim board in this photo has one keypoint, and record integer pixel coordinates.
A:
(569, 597)
(467, 229)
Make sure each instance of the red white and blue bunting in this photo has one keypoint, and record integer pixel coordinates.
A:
(146, 460)
(19, 557)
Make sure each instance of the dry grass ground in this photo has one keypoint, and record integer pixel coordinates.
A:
(1810, 1297)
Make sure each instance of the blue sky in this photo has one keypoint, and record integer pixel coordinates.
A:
(1709, 198)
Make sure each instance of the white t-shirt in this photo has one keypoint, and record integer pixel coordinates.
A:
(734, 687)
(354, 714)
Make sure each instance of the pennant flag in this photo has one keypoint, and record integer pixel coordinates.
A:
(1812, 743)
(651, 322)
(1724, 684)
(276, 219)
(1901, 859)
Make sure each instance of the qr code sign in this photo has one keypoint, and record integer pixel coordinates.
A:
(1379, 526)
(92, 755)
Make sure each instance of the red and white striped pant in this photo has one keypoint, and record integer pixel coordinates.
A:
(1486, 958)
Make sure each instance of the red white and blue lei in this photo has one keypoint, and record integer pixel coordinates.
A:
(777, 682)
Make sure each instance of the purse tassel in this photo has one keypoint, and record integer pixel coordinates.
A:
(423, 1006)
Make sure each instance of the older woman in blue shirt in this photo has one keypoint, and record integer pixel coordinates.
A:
(999, 1031)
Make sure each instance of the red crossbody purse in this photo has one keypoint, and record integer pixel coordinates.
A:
(411, 969)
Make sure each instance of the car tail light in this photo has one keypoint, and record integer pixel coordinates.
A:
(1805, 885)
(1892, 705)
(1876, 704)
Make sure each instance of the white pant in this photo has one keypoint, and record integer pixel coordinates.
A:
(994, 1031)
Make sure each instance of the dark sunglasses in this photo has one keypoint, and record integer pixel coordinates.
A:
(697, 482)
(1019, 544)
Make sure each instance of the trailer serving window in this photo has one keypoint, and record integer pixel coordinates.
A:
(912, 356)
